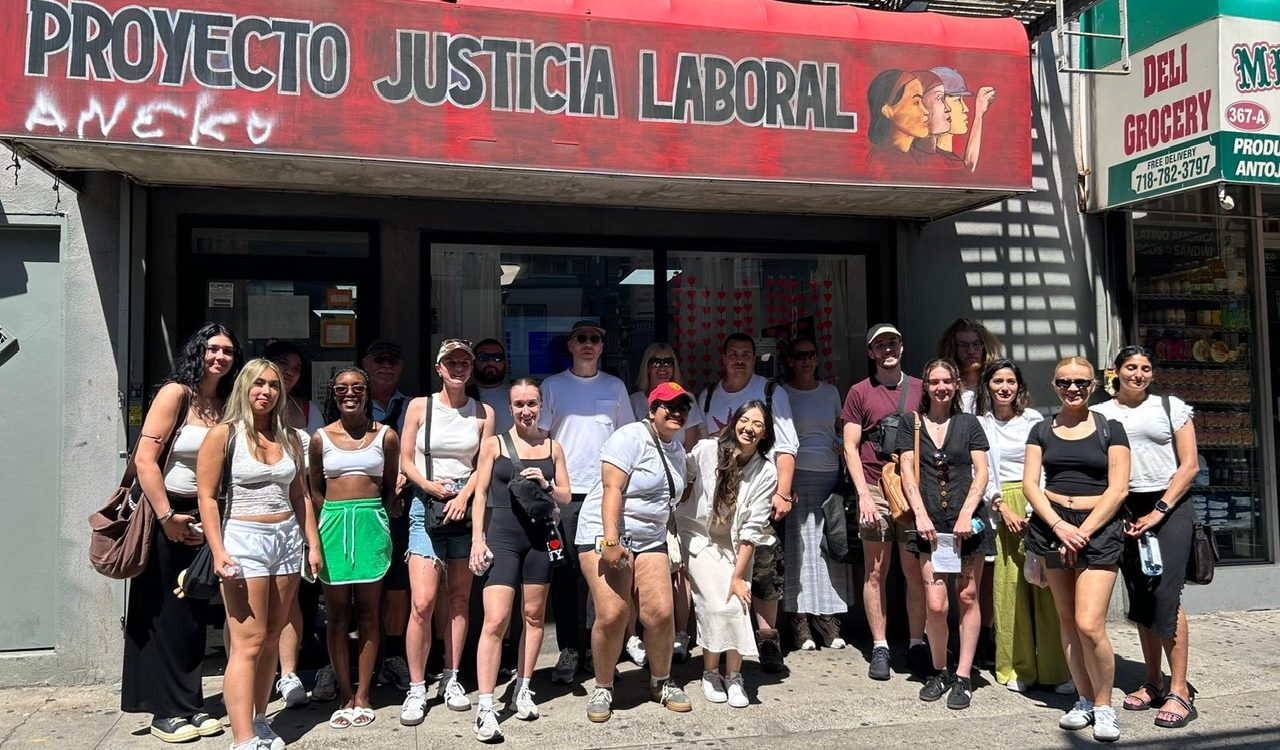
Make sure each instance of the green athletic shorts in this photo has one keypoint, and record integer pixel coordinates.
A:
(355, 539)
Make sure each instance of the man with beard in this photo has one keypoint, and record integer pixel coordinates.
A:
(740, 385)
(491, 382)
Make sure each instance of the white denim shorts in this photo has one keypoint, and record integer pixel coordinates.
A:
(264, 549)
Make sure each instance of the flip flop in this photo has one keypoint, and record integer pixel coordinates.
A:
(361, 716)
(342, 718)
(1139, 704)
(1180, 721)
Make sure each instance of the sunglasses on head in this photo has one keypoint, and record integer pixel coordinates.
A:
(805, 355)
(583, 338)
(1065, 383)
(354, 390)
(491, 357)
(456, 342)
(662, 361)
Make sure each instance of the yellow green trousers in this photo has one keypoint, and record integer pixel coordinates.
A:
(1028, 643)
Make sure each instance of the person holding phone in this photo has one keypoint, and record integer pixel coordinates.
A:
(1076, 527)
(622, 545)
(721, 521)
(354, 465)
(258, 549)
(944, 476)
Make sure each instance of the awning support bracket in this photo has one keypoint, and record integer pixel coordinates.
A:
(1069, 28)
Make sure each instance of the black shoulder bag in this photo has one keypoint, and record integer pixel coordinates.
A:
(1203, 555)
(200, 580)
(531, 498)
(882, 437)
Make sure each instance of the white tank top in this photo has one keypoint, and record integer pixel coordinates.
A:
(455, 438)
(180, 473)
(341, 462)
(258, 489)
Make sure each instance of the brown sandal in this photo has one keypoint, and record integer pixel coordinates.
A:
(1177, 722)
(1138, 704)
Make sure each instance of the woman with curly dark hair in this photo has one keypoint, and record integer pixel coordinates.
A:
(165, 635)
(723, 519)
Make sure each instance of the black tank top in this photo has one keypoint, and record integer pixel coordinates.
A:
(504, 470)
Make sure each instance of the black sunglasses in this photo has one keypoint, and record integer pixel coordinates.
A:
(681, 406)
(810, 354)
(662, 361)
(940, 463)
(491, 357)
(1065, 383)
(583, 338)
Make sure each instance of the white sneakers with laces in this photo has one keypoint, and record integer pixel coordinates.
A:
(523, 706)
(713, 688)
(635, 650)
(267, 737)
(486, 726)
(736, 691)
(1106, 725)
(455, 697)
(414, 708)
(1080, 716)
(290, 688)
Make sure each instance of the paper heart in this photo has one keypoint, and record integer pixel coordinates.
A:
(748, 320)
(676, 317)
(827, 310)
(826, 351)
(691, 307)
(675, 280)
(826, 283)
(706, 357)
(769, 281)
(737, 309)
(721, 293)
(827, 296)
(706, 325)
(693, 279)
(720, 309)
(691, 292)
(813, 285)
(720, 323)
(746, 282)
(706, 310)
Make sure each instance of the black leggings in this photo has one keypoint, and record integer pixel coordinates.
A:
(519, 548)
(1154, 600)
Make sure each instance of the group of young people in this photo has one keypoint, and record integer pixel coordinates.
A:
(632, 516)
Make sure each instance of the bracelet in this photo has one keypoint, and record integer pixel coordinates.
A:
(1054, 527)
(785, 499)
(165, 518)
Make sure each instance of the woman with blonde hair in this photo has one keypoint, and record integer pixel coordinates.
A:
(659, 365)
(256, 540)
(1078, 530)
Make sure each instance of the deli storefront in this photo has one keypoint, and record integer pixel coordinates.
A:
(336, 172)
(1185, 152)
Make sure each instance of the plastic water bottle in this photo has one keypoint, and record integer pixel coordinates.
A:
(978, 525)
(1149, 553)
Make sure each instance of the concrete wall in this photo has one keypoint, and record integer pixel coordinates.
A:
(89, 639)
(1032, 269)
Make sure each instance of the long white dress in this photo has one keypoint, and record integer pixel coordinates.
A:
(710, 549)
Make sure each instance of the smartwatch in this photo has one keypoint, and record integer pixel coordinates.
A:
(1162, 507)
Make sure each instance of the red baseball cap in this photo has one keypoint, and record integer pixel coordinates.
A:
(668, 391)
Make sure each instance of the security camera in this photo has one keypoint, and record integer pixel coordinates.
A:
(1227, 202)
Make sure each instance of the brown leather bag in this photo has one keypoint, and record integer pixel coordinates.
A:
(121, 531)
(891, 481)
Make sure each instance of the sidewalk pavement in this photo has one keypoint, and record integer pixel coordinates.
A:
(825, 702)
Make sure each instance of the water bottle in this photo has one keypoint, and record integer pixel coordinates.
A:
(1149, 553)
(978, 526)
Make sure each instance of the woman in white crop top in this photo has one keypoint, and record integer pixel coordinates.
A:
(256, 540)
(354, 465)
(442, 472)
(160, 626)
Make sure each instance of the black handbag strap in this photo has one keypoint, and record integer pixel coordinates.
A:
(662, 456)
(1173, 435)
(516, 463)
(426, 440)
(131, 469)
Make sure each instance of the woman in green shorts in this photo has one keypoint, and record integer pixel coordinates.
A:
(354, 465)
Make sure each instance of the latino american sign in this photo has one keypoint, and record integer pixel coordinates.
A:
(838, 96)
(1199, 107)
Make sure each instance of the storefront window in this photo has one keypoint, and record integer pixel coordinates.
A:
(772, 297)
(530, 297)
(1195, 285)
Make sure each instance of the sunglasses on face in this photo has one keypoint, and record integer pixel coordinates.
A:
(812, 354)
(354, 390)
(662, 361)
(1066, 383)
(386, 359)
(940, 463)
(675, 407)
(583, 338)
(491, 357)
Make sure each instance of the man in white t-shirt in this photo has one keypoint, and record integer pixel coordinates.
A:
(581, 407)
(491, 382)
(740, 385)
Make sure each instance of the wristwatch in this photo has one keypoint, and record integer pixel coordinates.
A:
(996, 504)
(1162, 507)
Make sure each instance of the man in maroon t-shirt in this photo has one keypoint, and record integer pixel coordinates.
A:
(869, 402)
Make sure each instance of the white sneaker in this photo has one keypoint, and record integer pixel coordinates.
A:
(269, 740)
(838, 642)
(808, 645)
(681, 650)
(454, 696)
(566, 666)
(326, 687)
(1017, 686)
(1106, 725)
(523, 706)
(291, 689)
(1066, 688)
(635, 649)
(713, 687)
(486, 727)
(414, 708)
(737, 692)
(1080, 716)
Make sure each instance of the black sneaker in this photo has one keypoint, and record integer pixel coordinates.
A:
(770, 646)
(936, 686)
(919, 660)
(961, 694)
(879, 669)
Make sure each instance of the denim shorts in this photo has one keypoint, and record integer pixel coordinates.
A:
(419, 540)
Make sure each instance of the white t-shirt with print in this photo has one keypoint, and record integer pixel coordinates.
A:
(723, 405)
(1151, 462)
(582, 413)
(647, 500)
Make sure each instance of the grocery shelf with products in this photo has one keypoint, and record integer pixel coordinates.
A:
(1194, 299)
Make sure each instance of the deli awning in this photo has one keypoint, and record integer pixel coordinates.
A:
(708, 104)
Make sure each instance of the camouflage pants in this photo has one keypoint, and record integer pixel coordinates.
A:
(767, 570)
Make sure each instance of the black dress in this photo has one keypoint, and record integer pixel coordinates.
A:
(946, 476)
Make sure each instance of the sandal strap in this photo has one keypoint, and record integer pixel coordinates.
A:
(1179, 700)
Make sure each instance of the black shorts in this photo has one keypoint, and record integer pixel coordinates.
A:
(1104, 549)
(519, 548)
(661, 549)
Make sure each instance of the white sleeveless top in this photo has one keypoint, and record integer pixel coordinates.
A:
(258, 489)
(342, 462)
(180, 471)
(455, 438)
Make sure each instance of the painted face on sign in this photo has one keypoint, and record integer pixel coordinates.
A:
(959, 112)
(909, 114)
(936, 105)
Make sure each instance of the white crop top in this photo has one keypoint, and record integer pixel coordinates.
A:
(180, 472)
(455, 438)
(341, 462)
(258, 489)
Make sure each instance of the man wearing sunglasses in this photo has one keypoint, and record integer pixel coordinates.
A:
(581, 408)
(740, 385)
(491, 382)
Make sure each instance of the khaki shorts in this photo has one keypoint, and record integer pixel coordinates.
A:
(886, 529)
